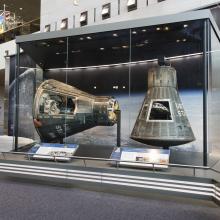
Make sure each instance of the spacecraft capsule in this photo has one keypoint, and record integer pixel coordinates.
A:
(61, 110)
(162, 120)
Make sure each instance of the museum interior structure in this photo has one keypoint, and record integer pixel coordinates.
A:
(130, 107)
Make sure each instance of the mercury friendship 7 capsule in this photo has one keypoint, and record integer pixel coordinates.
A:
(162, 120)
(61, 110)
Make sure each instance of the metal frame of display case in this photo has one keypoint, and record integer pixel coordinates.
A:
(204, 15)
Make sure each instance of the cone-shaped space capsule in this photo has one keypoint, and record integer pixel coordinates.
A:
(61, 110)
(162, 120)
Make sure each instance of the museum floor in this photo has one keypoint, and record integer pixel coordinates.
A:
(25, 199)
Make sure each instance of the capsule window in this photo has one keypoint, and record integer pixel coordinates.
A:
(54, 104)
(160, 111)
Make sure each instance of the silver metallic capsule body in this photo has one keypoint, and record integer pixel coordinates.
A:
(162, 120)
(61, 110)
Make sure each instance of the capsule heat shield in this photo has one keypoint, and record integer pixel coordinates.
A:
(162, 120)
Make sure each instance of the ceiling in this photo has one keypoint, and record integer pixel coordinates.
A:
(27, 9)
(113, 47)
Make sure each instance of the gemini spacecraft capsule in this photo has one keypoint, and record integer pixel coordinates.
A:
(61, 110)
(162, 120)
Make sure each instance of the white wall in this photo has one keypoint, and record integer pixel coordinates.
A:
(1, 109)
(11, 47)
(53, 11)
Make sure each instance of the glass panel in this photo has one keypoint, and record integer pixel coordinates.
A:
(29, 78)
(214, 98)
(166, 86)
(96, 85)
(39, 105)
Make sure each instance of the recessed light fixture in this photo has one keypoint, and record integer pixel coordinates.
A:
(125, 46)
(83, 18)
(47, 28)
(94, 87)
(102, 48)
(185, 25)
(76, 51)
(139, 45)
(64, 24)
(123, 87)
(43, 43)
(20, 9)
(144, 30)
(166, 28)
(134, 32)
(132, 5)
(184, 39)
(115, 35)
(106, 11)
(177, 40)
(61, 41)
(81, 38)
(89, 38)
(158, 28)
(57, 53)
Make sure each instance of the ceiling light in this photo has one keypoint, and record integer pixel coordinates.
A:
(57, 53)
(21, 9)
(64, 24)
(134, 32)
(94, 87)
(89, 38)
(146, 41)
(185, 25)
(76, 2)
(144, 30)
(124, 46)
(106, 10)
(102, 48)
(177, 41)
(75, 51)
(83, 17)
(61, 41)
(184, 39)
(166, 28)
(115, 35)
(158, 28)
(139, 45)
(115, 48)
(123, 87)
(81, 38)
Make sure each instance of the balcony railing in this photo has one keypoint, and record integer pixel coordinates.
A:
(25, 28)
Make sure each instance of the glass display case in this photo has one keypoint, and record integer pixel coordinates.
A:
(162, 75)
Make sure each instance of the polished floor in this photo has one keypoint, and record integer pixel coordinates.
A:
(25, 199)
